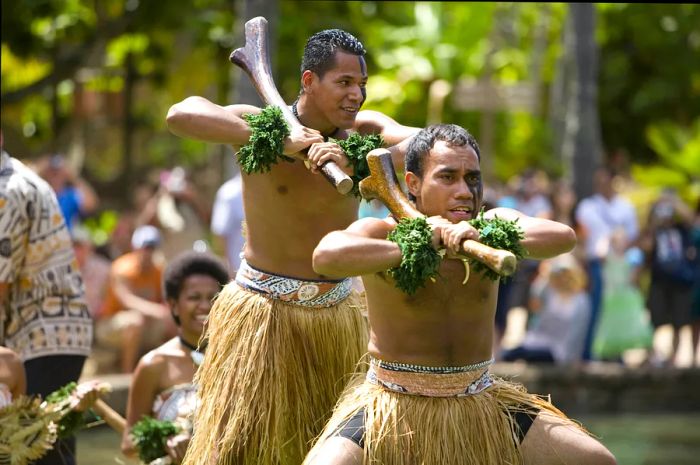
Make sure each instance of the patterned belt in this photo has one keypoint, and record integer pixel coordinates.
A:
(430, 381)
(318, 294)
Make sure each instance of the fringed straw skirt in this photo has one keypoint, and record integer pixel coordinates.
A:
(273, 370)
(419, 417)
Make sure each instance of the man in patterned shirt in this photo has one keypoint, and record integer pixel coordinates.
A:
(43, 314)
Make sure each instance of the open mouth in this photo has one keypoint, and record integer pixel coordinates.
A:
(201, 318)
(351, 110)
(461, 213)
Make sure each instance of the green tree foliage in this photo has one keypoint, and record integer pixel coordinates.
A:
(57, 55)
(650, 72)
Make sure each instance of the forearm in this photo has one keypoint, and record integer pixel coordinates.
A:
(341, 254)
(543, 238)
(197, 118)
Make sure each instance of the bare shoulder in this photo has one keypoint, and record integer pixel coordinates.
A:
(10, 359)
(157, 359)
(375, 122)
(372, 122)
(377, 228)
(243, 109)
(504, 213)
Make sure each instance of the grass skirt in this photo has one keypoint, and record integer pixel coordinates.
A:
(402, 429)
(271, 375)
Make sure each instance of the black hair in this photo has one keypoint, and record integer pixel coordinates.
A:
(319, 52)
(190, 263)
(421, 143)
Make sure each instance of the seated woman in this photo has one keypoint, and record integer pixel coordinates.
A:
(557, 334)
(162, 383)
(13, 382)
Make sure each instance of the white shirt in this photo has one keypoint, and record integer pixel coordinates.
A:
(600, 217)
(227, 219)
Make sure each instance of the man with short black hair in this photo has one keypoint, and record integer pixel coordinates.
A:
(428, 397)
(282, 338)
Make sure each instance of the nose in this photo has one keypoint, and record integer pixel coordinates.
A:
(356, 94)
(462, 191)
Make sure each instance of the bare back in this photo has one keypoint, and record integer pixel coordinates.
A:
(447, 323)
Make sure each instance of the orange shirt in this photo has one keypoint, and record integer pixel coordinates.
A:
(145, 284)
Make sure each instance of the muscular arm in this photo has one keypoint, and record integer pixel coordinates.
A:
(360, 249)
(543, 238)
(142, 393)
(396, 136)
(198, 118)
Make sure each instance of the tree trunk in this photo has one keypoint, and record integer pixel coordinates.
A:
(581, 145)
(129, 125)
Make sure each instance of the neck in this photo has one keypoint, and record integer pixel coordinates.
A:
(305, 114)
(187, 342)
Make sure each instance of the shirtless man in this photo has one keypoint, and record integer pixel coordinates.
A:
(281, 348)
(428, 397)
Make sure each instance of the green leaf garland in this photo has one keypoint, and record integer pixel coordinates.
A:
(498, 233)
(419, 260)
(266, 143)
(72, 421)
(356, 148)
(150, 436)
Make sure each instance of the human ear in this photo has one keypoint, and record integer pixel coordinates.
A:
(307, 79)
(412, 183)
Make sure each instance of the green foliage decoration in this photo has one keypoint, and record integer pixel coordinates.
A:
(419, 260)
(497, 233)
(150, 436)
(356, 148)
(266, 142)
(71, 422)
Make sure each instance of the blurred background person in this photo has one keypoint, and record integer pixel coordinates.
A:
(45, 319)
(134, 316)
(162, 383)
(624, 323)
(695, 312)
(561, 310)
(228, 220)
(94, 269)
(76, 196)
(178, 210)
(671, 262)
(529, 199)
(597, 216)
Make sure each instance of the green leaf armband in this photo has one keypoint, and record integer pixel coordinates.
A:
(419, 260)
(266, 143)
(499, 234)
(356, 148)
(150, 436)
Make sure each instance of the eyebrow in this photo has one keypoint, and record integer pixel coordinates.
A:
(454, 170)
(351, 76)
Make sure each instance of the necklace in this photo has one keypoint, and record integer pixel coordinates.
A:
(295, 112)
(197, 356)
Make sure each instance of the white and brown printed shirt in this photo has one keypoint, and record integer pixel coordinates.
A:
(46, 313)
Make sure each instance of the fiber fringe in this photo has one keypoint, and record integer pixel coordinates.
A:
(271, 376)
(406, 429)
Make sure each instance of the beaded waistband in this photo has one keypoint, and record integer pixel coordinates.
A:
(295, 291)
(430, 381)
